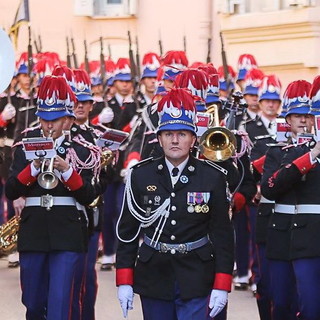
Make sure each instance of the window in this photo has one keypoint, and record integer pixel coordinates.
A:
(105, 8)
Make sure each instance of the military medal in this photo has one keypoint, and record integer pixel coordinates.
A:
(205, 207)
(199, 198)
(190, 202)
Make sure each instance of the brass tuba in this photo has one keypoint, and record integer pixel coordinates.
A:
(9, 235)
(217, 143)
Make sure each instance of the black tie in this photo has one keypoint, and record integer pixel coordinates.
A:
(270, 125)
(175, 172)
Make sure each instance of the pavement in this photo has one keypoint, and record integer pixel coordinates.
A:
(242, 304)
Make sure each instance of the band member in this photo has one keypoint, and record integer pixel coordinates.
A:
(246, 62)
(181, 206)
(51, 234)
(277, 286)
(299, 173)
(85, 286)
(262, 131)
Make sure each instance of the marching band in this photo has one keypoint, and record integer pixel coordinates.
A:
(180, 181)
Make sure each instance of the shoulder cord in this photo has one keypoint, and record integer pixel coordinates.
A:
(162, 212)
(92, 162)
(245, 143)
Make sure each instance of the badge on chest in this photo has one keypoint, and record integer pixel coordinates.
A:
(198, 202)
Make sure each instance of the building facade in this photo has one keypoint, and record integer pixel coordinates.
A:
(283, 35)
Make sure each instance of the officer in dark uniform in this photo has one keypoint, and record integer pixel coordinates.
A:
(262, 131)
(277, 283)
(299, 173)
(182, 206)
(252, 82)
(51, 234)
(246, 63)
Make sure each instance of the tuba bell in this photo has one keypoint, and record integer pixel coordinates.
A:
(217, 143)
(9, 235)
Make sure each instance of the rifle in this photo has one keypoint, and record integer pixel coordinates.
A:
(102, 64)
(132, 62)
(36, 44)
(209, 50)
(40, 43)
(74, 56)
(138, 59)
(30, 58)
(160, 45)
(109, 51)
(225, 64)
(30, 104)
(68, 54)
(86, 60)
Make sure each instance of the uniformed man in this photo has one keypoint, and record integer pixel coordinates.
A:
(262, 131)
(51, 234)
(246, 62)
(85, 286)
(181, 205)
(299, 173)
(252, 82)
(276, 287)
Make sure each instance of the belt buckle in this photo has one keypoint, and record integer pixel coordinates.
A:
(182, 248)
(164, 248)
(46, 201)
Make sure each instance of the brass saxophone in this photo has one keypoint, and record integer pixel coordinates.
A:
(9, 235)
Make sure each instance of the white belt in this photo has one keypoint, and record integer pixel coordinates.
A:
(285, 208)
(265, 200)
(297, 209)
(47, 201)
(308, 208)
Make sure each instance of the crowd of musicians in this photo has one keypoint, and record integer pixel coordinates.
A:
(258, 207)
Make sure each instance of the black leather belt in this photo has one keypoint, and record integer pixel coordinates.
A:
(179, 247)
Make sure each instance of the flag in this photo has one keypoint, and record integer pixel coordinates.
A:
(22, 15)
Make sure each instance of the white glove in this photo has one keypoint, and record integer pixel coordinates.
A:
(18, 205)
(106, 115)
(125, 296)
(8, 112)
(218, 300)
(124, 172)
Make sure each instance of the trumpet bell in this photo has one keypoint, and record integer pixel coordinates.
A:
(47, 180)
(218, 144)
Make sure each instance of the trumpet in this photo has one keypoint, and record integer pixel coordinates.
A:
(217, 143)
(47, 179)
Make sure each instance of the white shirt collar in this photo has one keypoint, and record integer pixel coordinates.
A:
(252, 114)
(181, 166)
(273, 129)
(59, 140)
